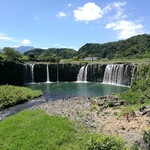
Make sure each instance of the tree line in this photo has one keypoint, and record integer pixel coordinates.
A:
(132, 48)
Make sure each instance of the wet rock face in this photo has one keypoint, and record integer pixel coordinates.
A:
(11, 73)
(40, 73)
(68, 72)
(96, 72)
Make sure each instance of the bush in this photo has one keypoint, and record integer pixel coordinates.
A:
(12, 95)
(135, 146)
(146, 138)
(105, 142)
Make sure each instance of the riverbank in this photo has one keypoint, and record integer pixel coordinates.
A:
(97, 118)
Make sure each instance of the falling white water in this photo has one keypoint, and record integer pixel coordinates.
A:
(25, 66)
(116, 74)
(82, 75)
(133, 77)
(57, 74)
(48, 79)
(32, 72)
(85, 74)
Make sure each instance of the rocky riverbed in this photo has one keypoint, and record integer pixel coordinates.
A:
(98, 118)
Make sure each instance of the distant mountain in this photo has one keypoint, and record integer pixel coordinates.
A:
(23, 49)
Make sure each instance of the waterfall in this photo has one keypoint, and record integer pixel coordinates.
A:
(25, 73)
(116, 74)
(133, 76)
(32, 72)
(48, 79)
(82, 76)
(57, 74)
(85, 74)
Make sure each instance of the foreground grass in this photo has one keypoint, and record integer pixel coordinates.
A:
(37, 130)
(12, 95)
(34, 129)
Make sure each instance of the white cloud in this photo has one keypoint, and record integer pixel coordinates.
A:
(14, 46)
(69, 5)
(107, 8)
(117, 6)
(4, 37)
(64, 46)
(89, 12)
(125, 28)
(61, 14)
(26, 42)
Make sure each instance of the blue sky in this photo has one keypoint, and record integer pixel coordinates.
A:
(71, 23)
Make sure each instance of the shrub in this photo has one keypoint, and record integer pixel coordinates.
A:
(105, 142)
(12, 95)
(135, 146)
(146, 138)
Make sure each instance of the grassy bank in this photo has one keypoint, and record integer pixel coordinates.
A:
(106, 61)
(36, 130)
(12, 95)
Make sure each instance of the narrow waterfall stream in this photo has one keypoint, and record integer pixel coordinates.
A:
(57, 74)
(48, 78)
(32, 72)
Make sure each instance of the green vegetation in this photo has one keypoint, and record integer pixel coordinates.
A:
(12, 95)
(93, 107)
(134, 47)
(105, 143)
(119, 60)
(140, 89)
(34, 129)
(146, 138)
(52, 54)
(9, 54)
(135, 146)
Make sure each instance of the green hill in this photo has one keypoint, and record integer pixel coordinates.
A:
(134, 47)
(137, 47)
(45, 54)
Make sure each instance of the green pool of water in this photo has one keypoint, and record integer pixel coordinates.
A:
(59, 90)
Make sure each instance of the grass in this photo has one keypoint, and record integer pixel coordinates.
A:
(124, 60)
(37, 130)
(93, 107)
(12, 95)
(34, 129)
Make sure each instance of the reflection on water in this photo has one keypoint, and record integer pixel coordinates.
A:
(60, 90)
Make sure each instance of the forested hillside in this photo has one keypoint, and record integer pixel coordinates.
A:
(51, 53)
(134, 47)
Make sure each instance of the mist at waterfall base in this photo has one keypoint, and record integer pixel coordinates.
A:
(63, 90)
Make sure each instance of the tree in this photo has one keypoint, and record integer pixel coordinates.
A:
(1, 57)
(11, 55)
(31, 56)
